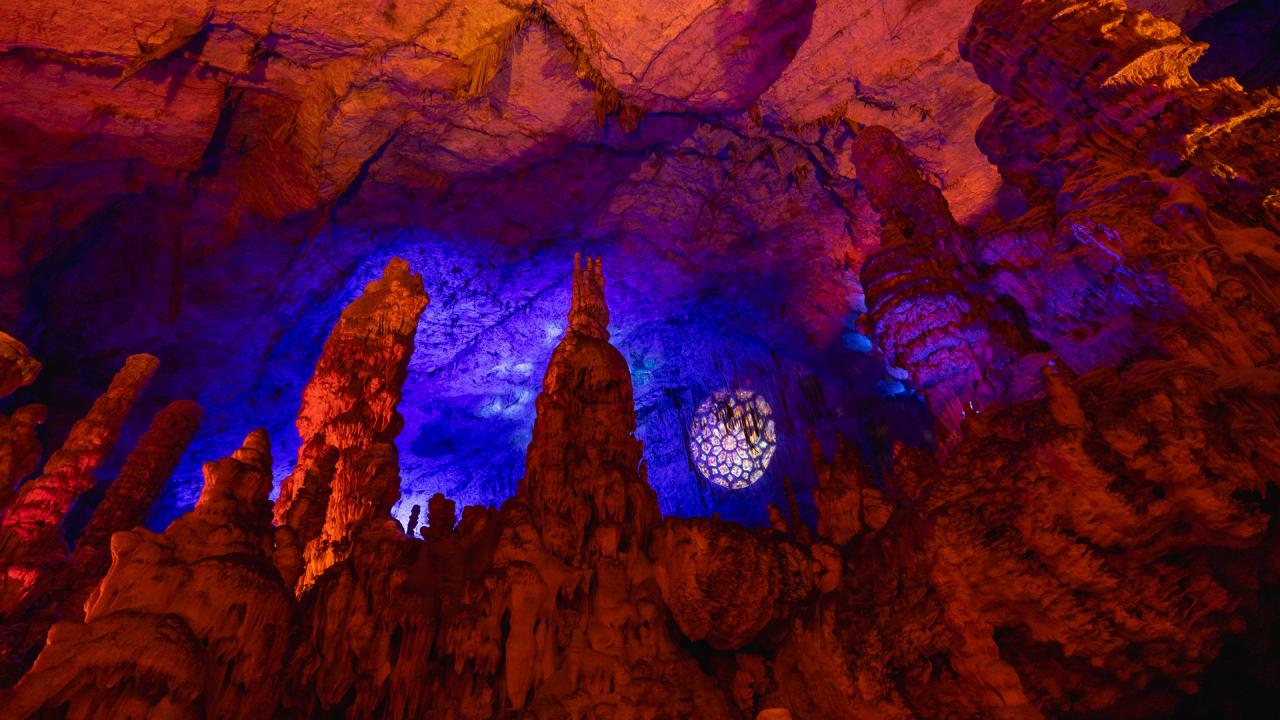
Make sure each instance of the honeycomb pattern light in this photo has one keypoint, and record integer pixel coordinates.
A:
(733, 438)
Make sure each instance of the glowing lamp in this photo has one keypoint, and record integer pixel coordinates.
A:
(733, 438)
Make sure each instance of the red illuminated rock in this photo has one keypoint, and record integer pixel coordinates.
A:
(919, 312)
(41, 504)
(19, 449)
(1095, 529)
(347, 471)
(131, 494)
(441, 516)
(189, 623)
(846, 503)
(726, 584)
(33, 553)
(17, 367)
(548, 606)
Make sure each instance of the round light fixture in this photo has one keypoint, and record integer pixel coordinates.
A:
(733, 438)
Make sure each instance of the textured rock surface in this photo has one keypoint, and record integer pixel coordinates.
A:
(33, 553)
(946, 339)
(133, 491)
(548, 606)
(17, 367)
(347, 471)
(193, 622)
(724, 583)
(1093, 535)
(40, 506)
(702, 143)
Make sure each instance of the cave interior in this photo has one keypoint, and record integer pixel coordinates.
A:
(733, 359)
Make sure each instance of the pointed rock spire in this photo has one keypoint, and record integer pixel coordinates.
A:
(197, 617)
(42, 503)
(588, 313)
(348, 470)
(130, 495)
(921, 315)
(583, 476)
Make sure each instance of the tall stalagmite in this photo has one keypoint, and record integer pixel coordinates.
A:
(130, 495)
(1098, 523)
(347, 472)
(42, 503)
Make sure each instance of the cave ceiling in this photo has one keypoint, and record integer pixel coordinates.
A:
(213, 182)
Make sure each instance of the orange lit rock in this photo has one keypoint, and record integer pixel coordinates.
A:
(347, 471)
(33, 553)
(726, 584)
(19, 449)
(17, 367)
(192, 622)
(131, 494)
(42, 503)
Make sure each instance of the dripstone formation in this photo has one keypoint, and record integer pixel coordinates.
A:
(1095, 527)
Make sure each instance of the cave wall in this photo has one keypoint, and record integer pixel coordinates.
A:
(357, 229)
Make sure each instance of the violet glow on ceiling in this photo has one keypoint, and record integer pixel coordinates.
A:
(687, 330)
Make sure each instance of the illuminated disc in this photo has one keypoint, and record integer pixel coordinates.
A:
(733, 438)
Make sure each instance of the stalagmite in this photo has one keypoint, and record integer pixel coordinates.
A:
(189, 623)
(412, 528)
(347, 471)
(1046, 482)
(441, 516)
(42, 503)
(131, 494)
(33, 553)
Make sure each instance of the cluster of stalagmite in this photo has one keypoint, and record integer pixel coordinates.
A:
(36, 571)
(1095, 526)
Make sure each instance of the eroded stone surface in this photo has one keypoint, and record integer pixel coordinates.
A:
(1091, 530)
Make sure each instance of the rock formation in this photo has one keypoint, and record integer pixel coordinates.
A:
(193, 622)
(347, 472)
(1145, 187)
(33, 553)
(18, 367)
(941, 334)
(135, 488)
(40, 506)
(1094, 531)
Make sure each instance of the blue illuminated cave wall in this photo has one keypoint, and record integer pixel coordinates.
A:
(686, 329)
(715, 279)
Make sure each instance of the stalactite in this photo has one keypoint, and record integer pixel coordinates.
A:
(920, 312)
(1149, 190)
